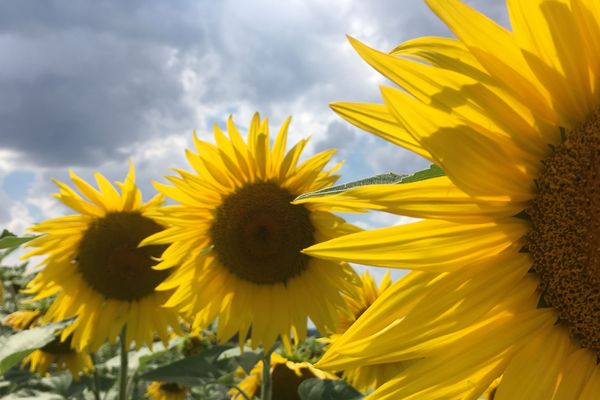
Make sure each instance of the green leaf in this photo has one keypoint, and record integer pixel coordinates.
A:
(15, 347)
(9, 242)
(33, 394)
(6, 233)
(373, 180)
(104, 382)
(139, 358)
(160, 353)
(390, 178)
(432, 172)
(195, 370)
(63, 384)
(327, 389)
(245, 358)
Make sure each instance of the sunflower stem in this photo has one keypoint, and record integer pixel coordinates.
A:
(124, 366)
(96, 380)
(13, 298)
(266, 381)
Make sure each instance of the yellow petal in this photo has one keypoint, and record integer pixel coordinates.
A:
(477, 163)
(436, 198)
(553, 47)
(495, 49)
(533, 372)
(429, 245)
(464, 371)
(444, 53)
(574, 374)
(376, 118)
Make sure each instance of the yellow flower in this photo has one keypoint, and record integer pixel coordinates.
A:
(286, 377)
(56, 352)
(95, 269)
(62, 355)
(358, 302)
(236, 239)
(21, 320)
(506, 258)
(166, 391)
(364, 377)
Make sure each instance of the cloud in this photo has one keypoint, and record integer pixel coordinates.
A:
(87, 94)
(338, 135)
(386, 157)
(80, 82)
(90, 87)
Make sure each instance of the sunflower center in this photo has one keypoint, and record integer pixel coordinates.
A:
(111, 262)
(565, 239)
(257, 234)
(171, 387)
(286, 381)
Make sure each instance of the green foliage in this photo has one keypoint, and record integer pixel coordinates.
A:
(15, 347)
(196, 370)
(373, 180)
(390, 178)
(245, 358)
(208, 370)
(311, 350)
(9, 240)
(432, 172)
(327, 389)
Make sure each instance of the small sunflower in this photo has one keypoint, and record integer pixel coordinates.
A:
(358, 302)
(166, 391)
(236, 239)
(286, 377)
(95, 269)
(370, 376)
(506, 261)
(55, 352)
(61, 354)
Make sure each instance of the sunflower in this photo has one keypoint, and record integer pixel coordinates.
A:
(166, 391)
(95, 269)
(286, 375)
(56, 352)
(61, 354)
(367, 377)
(236, 239)
(505, 261)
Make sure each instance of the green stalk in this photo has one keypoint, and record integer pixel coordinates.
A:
(96, 380)
(266, 383)
(124, 366)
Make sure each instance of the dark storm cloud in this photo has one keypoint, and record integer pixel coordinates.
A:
(341, 136)
(78, 83)
(82, 81)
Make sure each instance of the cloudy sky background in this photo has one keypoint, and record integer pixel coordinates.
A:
(90, 85)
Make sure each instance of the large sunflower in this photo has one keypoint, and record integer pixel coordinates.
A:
(506, 261)
(95, 269)
(236, 239)
(365, 377)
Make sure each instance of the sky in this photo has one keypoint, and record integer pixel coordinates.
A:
(89, 86)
